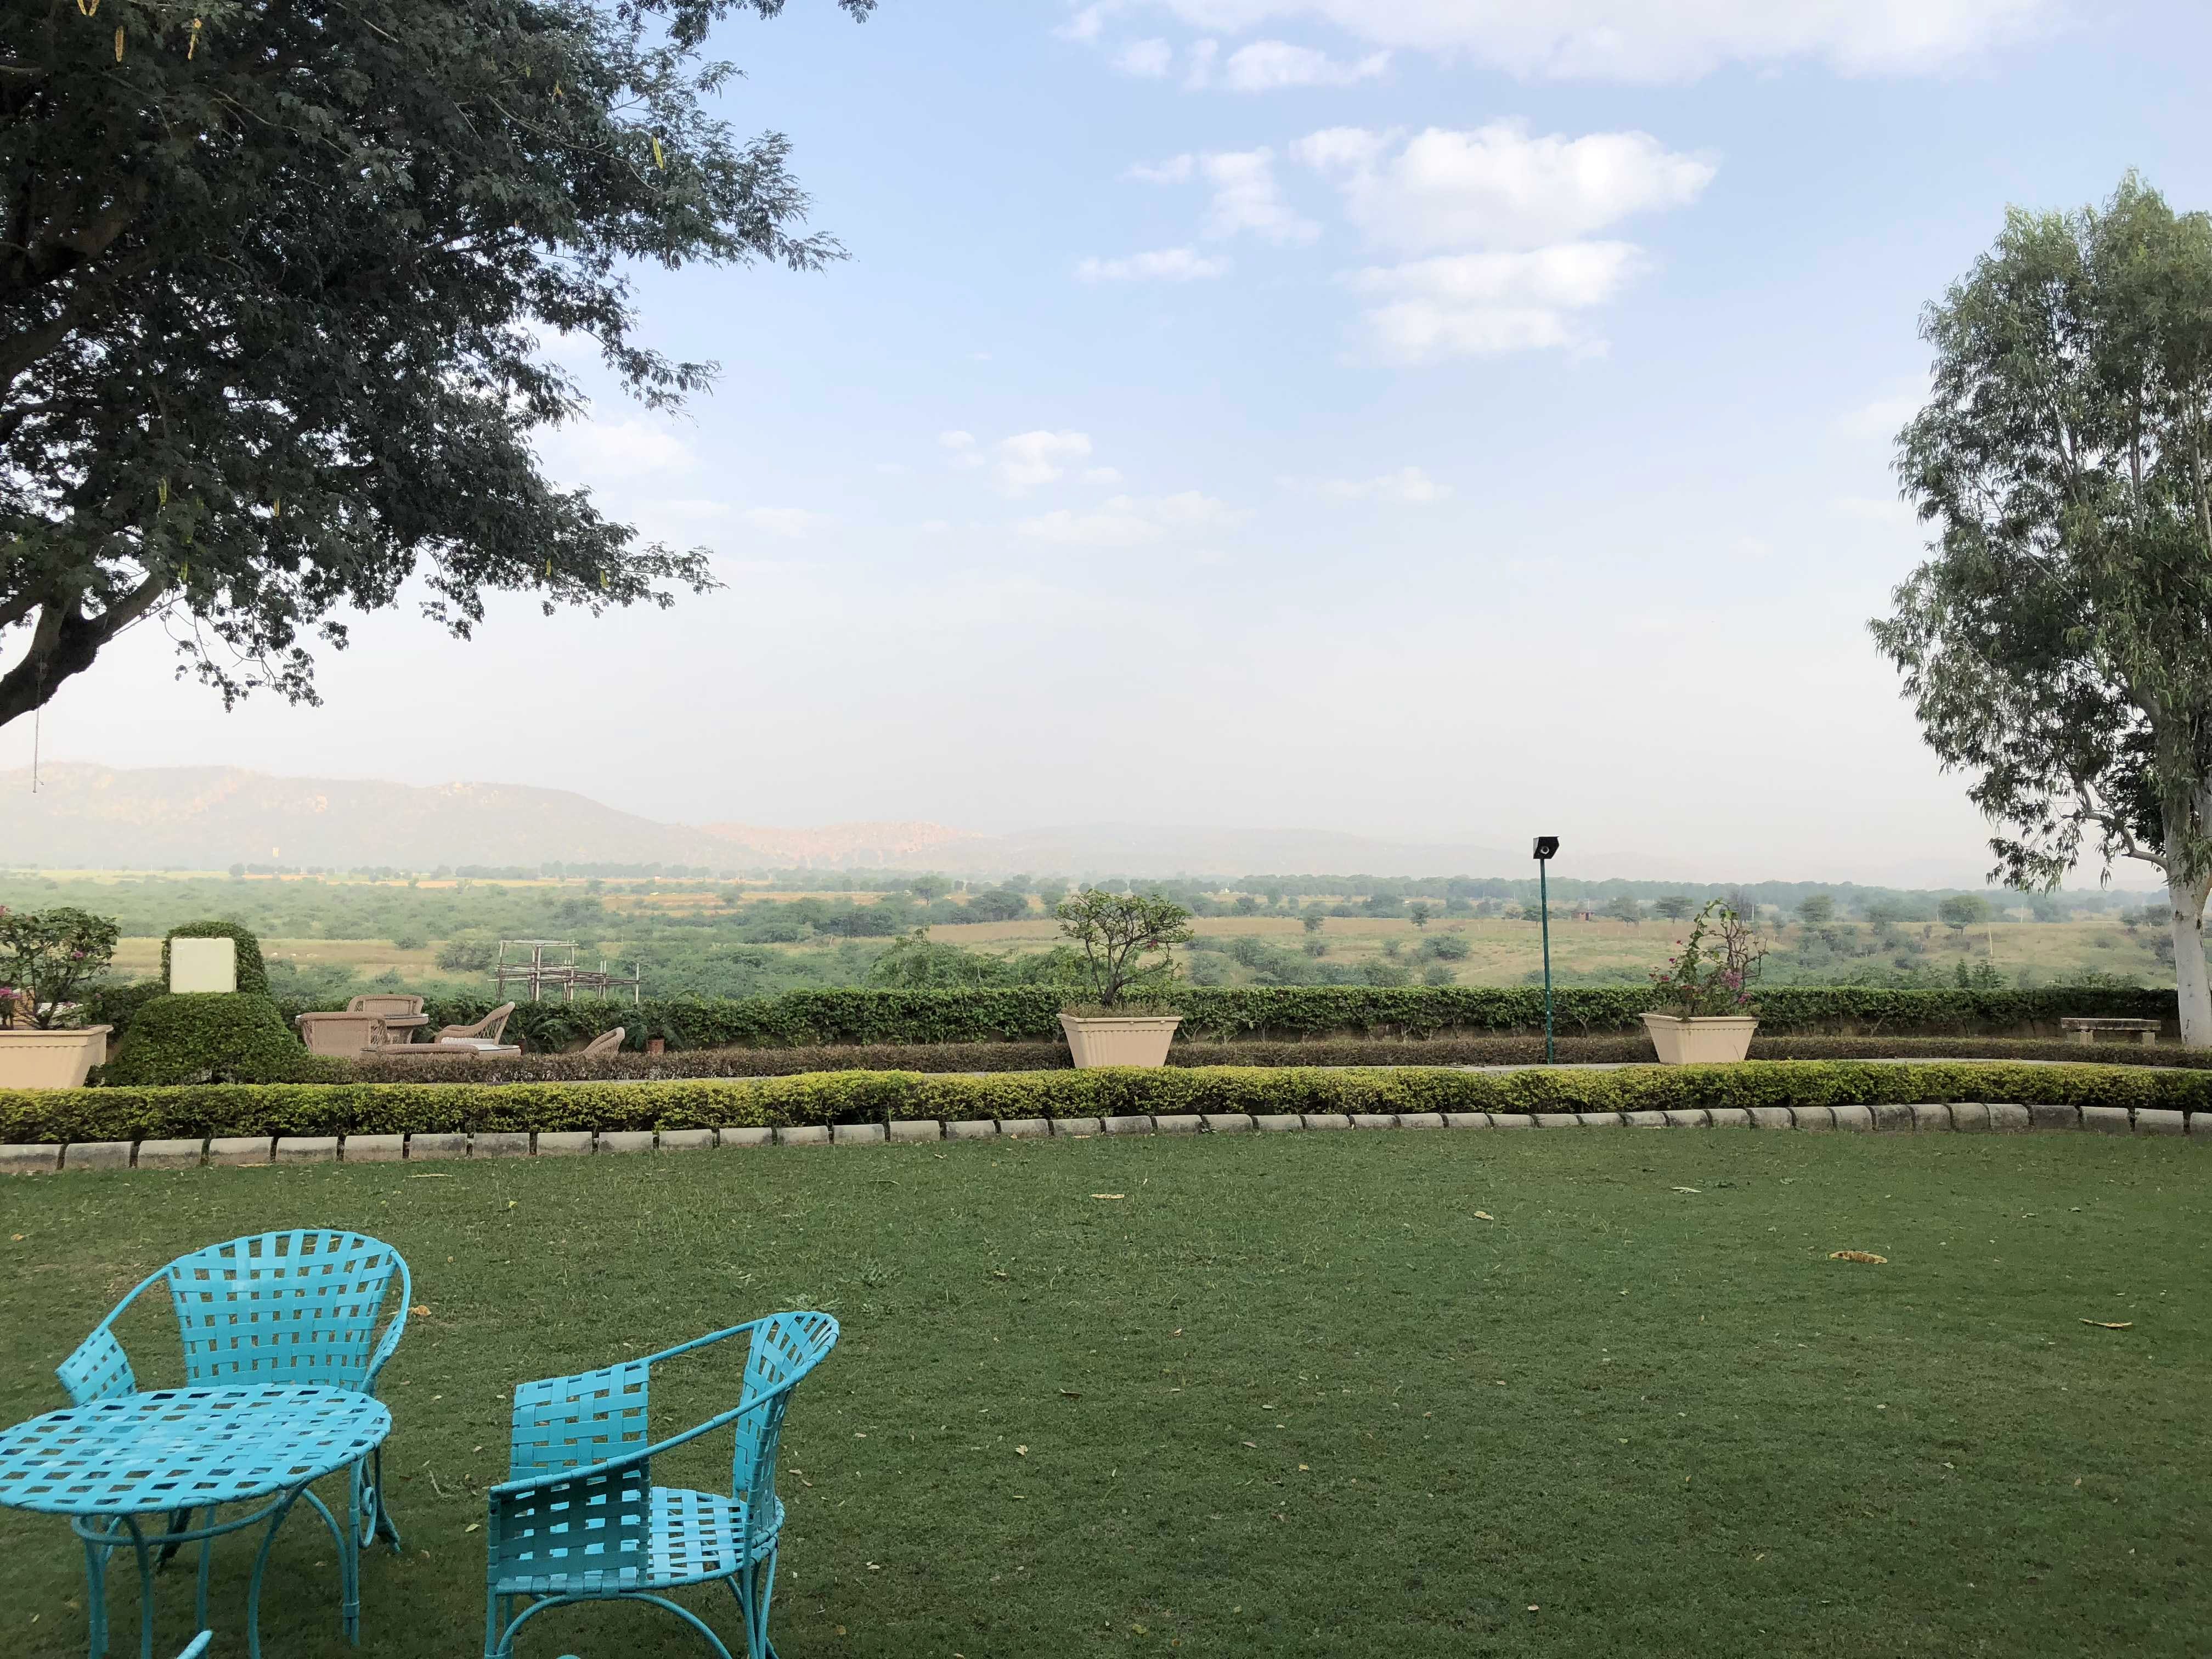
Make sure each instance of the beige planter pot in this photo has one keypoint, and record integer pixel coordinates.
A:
(51, 1060)
(1716, 1041)
(1116, 1041)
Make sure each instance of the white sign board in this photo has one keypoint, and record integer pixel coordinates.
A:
(203, 964)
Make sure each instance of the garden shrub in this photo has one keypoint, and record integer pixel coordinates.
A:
(252, 972)
(210, 1037)
(118, 1004)
(305, 1109)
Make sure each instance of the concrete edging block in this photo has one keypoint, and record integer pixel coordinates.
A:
(1859, 1118)
(2106, 1120)
(1027, 1128)
(1770, 1117)
(910, 1132)
(1930, 1117)
(306, 1148)
(1076, 1126)
(1891, 1115)
(564, 1143)
(2155, 1121)
(2011, 1119)
(807, 1134)
(97, 1155)
(1601, 1120)
(1558, 1121)
(1814, 1117)
(499, 1142)
(1686, 1118)
(1644, 1120)
(625, 1140)
(418, 1148)
(687, 1140)
(1729, 1117)
(170, 1154)
(1126, 1126)
(1970, 1116)
(235, 1151)
(1179, 1123)
(1467, 1120)
(1227, 1123)
(979, 1128)
(857, 1134)
(1420, 1120)
(1282, 1123)
(370, 1149)
(30, 1157)
(2200, 1125)
(1512, 1120)
(746, 1135)
(1325, 1121)
(1374, 1120)
(2049, 1117)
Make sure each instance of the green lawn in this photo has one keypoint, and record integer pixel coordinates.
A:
(1289, 1393)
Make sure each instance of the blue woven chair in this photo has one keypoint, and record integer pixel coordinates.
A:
(578, 1518)
(296, 1309)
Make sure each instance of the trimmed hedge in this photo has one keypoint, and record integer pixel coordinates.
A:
(121, 1114)
(629, 1066)
(845, 1017)
(252, 972)
(213, 1037)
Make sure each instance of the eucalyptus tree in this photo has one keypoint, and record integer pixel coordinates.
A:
(2056, 644)
(275, 281)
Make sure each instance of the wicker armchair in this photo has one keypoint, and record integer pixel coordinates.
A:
(487, 1030)
(606, 1042)
(343, 1037)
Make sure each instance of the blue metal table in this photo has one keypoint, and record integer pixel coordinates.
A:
(111, 1463)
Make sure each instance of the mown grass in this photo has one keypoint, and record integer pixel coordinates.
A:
(1396, 1393)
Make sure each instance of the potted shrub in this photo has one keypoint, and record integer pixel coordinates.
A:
(1127, 943)
(47, 957)
(1706, 1013)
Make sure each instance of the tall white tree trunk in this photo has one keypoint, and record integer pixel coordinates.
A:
(2187, 902)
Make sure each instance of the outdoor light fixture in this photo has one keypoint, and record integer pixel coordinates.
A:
(1547, 847)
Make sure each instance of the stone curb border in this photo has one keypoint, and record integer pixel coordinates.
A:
(252, 1150)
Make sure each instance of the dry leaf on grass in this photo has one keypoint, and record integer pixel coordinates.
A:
(1484, 1215)
(1109, 1195)
(2110, 1325)
(1858, 1255)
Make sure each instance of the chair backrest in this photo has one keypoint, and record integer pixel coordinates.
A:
(494, 1024)
(386, 1003)
(606, 1042)
(276, 1310)
(343, 1034)
(785, 1346)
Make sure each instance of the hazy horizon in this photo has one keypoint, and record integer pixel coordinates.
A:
(1409, 421)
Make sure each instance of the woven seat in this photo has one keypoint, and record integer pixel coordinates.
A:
(578, 1519)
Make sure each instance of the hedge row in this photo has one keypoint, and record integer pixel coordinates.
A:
(627, 1066)
(78, 1114)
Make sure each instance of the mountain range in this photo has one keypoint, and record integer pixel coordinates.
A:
(198, 817)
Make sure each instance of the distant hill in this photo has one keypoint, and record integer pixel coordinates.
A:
(210, 816)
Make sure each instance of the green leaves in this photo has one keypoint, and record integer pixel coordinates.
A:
(46, 956)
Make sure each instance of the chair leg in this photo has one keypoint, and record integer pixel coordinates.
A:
(755, 1588)
(370, 1500)
(95, 1593)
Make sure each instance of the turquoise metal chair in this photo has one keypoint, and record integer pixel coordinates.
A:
(578, 1518)
(291, 1309)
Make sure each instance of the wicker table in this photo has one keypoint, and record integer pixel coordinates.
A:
(111, 1463)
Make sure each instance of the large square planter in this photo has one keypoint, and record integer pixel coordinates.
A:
(1716, 1040)
(1112, 1041)
(31, 1058)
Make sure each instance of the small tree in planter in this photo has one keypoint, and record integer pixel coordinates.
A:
(1705, 1000)
(47, 958)
(1128, 942)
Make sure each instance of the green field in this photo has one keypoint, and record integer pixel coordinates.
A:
(1384, 1394)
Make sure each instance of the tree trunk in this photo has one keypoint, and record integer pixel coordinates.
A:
(2187, 902)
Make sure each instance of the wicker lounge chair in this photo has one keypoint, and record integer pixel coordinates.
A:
(343, 1036)
(606, 1042)
(487, 1030)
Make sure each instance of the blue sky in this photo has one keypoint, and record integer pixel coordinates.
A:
(1443, 419)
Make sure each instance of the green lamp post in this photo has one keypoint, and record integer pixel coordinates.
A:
(1547, 848)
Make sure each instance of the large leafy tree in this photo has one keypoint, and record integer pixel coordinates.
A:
(274, 279)
(2058, 643)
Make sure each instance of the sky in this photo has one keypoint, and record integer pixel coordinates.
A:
(1445, 420)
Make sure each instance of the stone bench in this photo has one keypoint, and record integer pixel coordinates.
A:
(2085, 1031)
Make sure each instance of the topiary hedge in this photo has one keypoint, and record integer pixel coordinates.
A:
(252, 972)
(843, 1015)
(212, 1036)
(132, 1114)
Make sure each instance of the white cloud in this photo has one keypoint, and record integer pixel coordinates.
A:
(1089, 23)
(1167, 265)
(789, 522)
(1028, 460)
(1202, 54)
(1176, 170)
(1497, 186)
(1273, 65)
(1101, 474)
(1655, 39)
(1133, 521)
(1409, 486)
(1883, 418)
(611, 451)
(1479, 304)
(1149, 60)
(1247, 198)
